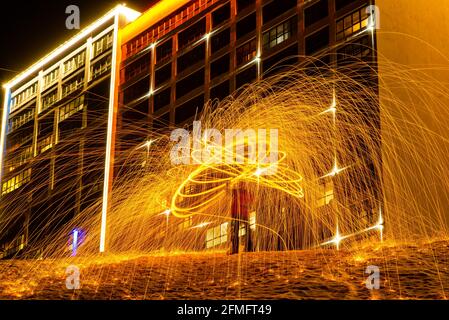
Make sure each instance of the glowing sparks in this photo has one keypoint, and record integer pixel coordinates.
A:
(259, 172)
(147, 144)
(201, 225)
(165, 212)
(336, 240)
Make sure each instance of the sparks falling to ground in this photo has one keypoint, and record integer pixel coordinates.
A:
(339, 191)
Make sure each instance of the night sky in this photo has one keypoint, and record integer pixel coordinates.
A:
(31, 29)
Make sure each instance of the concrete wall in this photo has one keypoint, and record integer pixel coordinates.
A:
(413, 45)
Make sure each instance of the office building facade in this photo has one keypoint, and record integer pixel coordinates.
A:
(67, 125)
(55, 134)
(181, 54)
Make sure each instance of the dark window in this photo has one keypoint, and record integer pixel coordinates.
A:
(162, 122)
(279, 33)
(220, 40)
(46, 125)
(243, 4)
(220, 91)
(164, 50)
(162, 99)
(317, 41)
(339, 4)
(315, 12)
(162, 75)
(280, 61)
(191, 58)
(356, 52)
(246, 52)
(319, 67)
(219, 66)
(189, 109)
(247, 76)
(191, 34)
(137, 67)
(276, 8)
(136, 90)
(137, 113)
(70, 126)
(246, 25)
(221, 15)
(190, 83)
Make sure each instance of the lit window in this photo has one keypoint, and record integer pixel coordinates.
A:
(103, 44)
(278, 34)
(49, 100)
(217, 235)
(75, 62)
(21, 119)
(101, 67)
(252, 220)
(45, 144)
(72, 85)
(51, 77)
(325, 194)
(187, 223)
(71, 108)
(20, 159)
(352, 24)
(16, 182)
(23, 96)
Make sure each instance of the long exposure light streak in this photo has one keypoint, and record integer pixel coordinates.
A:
(112, 113)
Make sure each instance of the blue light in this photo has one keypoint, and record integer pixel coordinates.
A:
(74, 242)
(76, 238)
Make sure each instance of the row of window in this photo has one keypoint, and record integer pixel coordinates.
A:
(352, 52)
(23, 96)
(270, 11)
(20, 159)
(244, 54)
(45, 144)
(353, 22)
(68, 66)
(159, 30)
(74, 63)
(49, 99)
(71, 108)
(101, 67)
(73, 85)
(45, 127)
(20, 119)
(16, 182)
(103, 44)
(51, 77)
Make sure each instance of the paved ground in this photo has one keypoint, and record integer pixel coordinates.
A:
(405, 272)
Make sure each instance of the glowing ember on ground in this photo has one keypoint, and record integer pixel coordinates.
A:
(407, 271)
